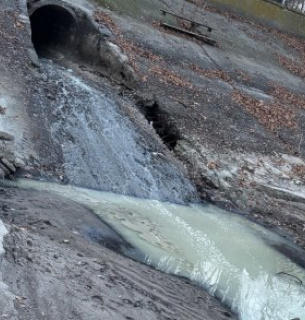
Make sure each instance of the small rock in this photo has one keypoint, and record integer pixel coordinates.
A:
(4, 169)
(138, 304)
(20, 298)
(19, 163)
(105, 31)
(34, 58)
(27, 176)
(15, 229)
(66, 241)
(44, 77)
(6, 136)
(9, 165)
(29, 257)
(99, 298)
(2, 174)
(23, 18)
(297, 182)
(249, 168)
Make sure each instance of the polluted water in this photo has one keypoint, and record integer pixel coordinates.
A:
(231, 257)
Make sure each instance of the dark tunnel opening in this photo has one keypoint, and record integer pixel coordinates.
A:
(161, 123)
(53, 30)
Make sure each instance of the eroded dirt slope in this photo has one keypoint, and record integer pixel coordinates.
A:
(232, 113)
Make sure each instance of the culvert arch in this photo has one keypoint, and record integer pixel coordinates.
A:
(62, 31)
(54, 28)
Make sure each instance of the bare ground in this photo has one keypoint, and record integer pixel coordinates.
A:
(234, 111)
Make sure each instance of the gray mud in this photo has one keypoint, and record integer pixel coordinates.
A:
(54, 270)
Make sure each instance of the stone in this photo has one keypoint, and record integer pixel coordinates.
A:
(23, 18)
(104, 31)
(48, 269)
(4, 169)
(7, 147)
(33, 58)
(44, 77)
(8, 164)
(8, 154)
(2, 174)
(29, 243)
(297, 182)
(117, 63)
(19, 163)
(29, 257)
(6, 136)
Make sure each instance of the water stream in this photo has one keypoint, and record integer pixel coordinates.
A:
(231, 257)
(102, 148)
(225, 253)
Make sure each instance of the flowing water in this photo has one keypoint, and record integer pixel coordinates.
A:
(225, 253)
(101, 147)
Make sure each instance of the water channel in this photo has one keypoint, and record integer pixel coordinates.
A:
(102, 148)
(231, 257)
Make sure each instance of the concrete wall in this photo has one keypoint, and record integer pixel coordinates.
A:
(267, 13)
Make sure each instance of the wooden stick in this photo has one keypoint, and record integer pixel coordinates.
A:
(195, 35)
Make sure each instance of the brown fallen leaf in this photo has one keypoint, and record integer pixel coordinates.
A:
(212, 165)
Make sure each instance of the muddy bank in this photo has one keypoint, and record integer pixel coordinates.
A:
(217, 109)
(235, 112)
(56, 270)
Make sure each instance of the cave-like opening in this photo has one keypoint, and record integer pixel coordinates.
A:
(160, 121)
(53, 29)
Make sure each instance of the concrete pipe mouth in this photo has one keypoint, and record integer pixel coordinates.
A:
(54, 30)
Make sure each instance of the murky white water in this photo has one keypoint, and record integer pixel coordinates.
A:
(101, 147)
(223, 252)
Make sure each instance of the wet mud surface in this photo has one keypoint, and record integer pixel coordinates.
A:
(224, 106)
(55, 268)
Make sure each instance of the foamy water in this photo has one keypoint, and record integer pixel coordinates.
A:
(223, 252)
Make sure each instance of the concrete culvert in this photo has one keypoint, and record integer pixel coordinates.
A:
(61, 31)
(53, 29)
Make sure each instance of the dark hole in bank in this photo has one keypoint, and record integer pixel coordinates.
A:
(161, 123)
(53, 29)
